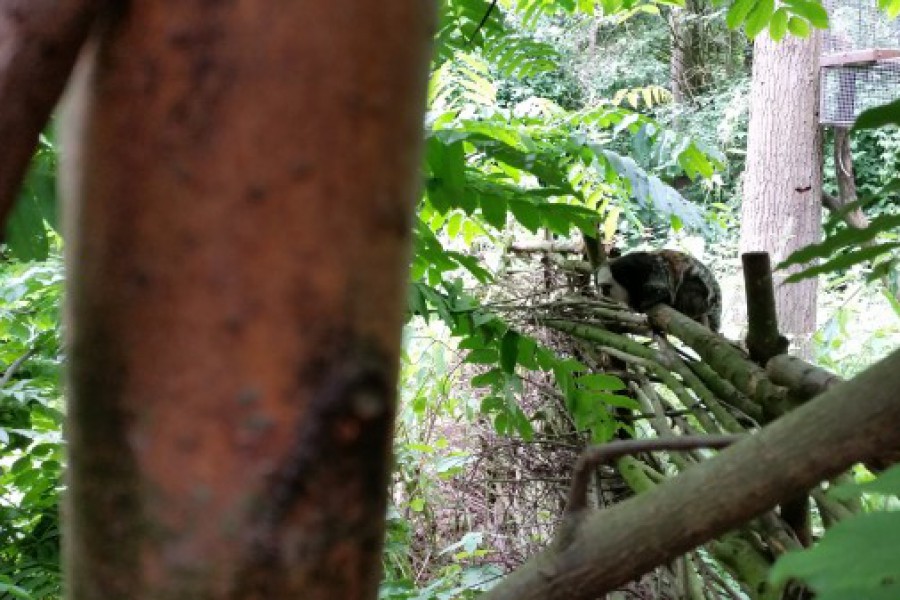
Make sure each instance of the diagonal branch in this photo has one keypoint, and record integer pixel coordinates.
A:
(39, 44)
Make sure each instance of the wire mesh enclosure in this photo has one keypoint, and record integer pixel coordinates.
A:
(860, 64)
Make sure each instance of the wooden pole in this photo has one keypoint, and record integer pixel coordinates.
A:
(240, 179)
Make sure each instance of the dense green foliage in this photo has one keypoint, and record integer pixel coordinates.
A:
(31, 454)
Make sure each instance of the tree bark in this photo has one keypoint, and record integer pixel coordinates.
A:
(39, 43)
(783, 182)
(240, 179)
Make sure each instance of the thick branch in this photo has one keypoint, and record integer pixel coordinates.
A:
(803, 379)
(39, 43)
(546, 246)
(754, 475)
(807, 381)
(727, 360)
(597, 456)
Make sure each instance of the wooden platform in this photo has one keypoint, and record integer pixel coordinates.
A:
(859, 57)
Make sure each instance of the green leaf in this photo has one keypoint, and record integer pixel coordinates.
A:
(845, 260)
(447, 183)
(526, 213)
(415, 300)
(472, 265)
(779, 24)
(738, 12)
(556, 221)
(15, 591)
(26, 232)
(857, 558)
(492, 378)
(527, 356)
(484, 356)
(891, 7)
(494, 210)
(491, 404)
(880, 116)
(759, 17)
(501, 423)
(813, 12)
(600, 381)
(546, 360)
(887, 483)
(798, 27)
(454, 224)
(509, 351)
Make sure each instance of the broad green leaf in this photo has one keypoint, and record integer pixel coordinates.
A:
(15, 591)
(617, 400)
(857, 558)
(527, 356)
(415, 300)
(501, 423)
(26, 232)
(526, 213)
(509, 351)
(778, 24)
(556, 220)
(759, 17)
(600, 381)
(454, 224)
(546, 360)
(891, 7)
(880, 116)
(738, 12)
(493, 208)
(798, 27)
(484, 356)
(447, 165)
(813, 12)
(491, 404)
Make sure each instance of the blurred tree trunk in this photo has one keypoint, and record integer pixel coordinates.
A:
(240, 180)
(783, 181)
(687, 68)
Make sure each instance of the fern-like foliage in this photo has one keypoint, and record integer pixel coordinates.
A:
(515, 55)
(650, 96)
(478, 28)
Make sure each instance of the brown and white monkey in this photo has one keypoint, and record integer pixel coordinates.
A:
(643, 279)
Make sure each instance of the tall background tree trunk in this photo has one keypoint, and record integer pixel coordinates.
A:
(687, 68)
(240, 182)
(783, 182)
